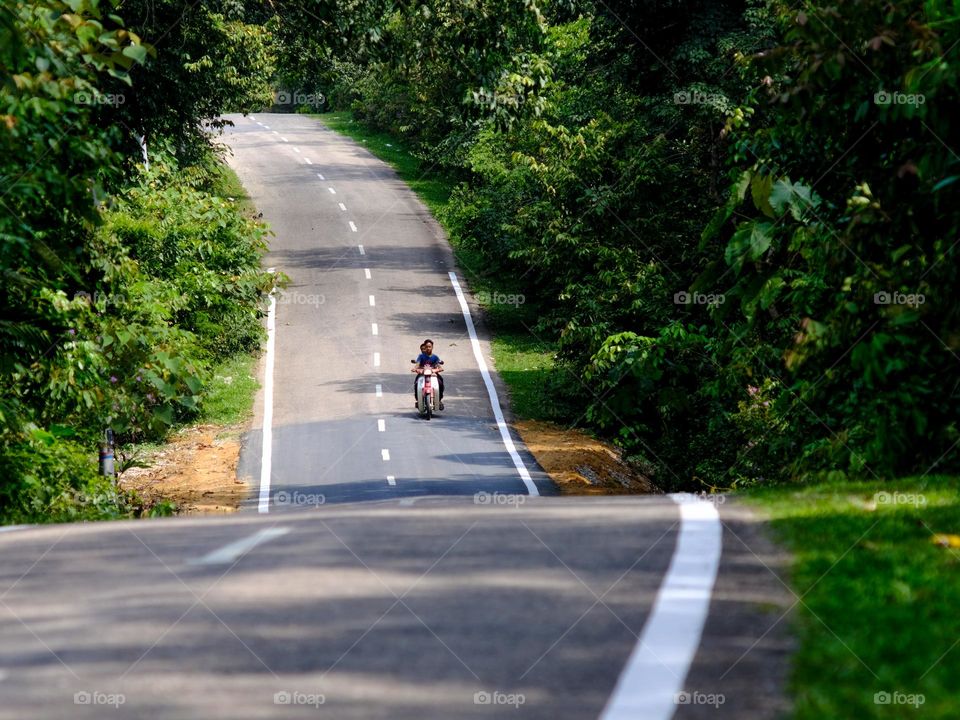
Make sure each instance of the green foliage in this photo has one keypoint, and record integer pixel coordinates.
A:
(852, 237)
(56, 481)
(121, 288)
(205, 62)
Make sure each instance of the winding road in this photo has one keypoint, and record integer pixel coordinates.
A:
(386, 566)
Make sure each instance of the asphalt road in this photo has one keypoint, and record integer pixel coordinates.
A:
(369, 281)
(367, 610)
(446, 591)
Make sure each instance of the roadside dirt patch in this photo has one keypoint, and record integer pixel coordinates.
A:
(580, 464)
(197, 470)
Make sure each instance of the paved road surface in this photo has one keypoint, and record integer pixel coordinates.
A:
(366, 254)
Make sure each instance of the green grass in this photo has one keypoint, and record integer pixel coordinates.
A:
(523, 360)
(228, 186)
(879, 611)
(525, 364)
(229, 396)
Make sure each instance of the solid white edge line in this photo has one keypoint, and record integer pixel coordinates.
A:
(653, 677)
(266, 452)
(231, 552)
(391, 480)
(492, 391)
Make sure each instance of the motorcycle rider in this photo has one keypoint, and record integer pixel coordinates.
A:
(426, 357)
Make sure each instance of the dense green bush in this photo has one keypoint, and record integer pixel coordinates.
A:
(120, 287)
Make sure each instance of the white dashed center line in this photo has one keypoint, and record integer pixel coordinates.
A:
(296, 149)
(379, 390)
(391, 480)
(321, 176)
(342, 206)
(360, 248)
(382, 425)
(385, 454)
(284, 139)
(375, 329)
(332, 191)
(376, 359)
(366, 273)
(353, 226)
(308, 161)
(373, 301)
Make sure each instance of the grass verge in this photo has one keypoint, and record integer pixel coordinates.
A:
(878, 582)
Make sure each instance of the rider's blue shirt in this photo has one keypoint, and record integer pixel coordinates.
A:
(423, 358)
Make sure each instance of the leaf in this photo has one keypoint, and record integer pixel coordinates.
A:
(136, 52)
(749, 243)
(946, 181)
(798, 198)
(780, 196)
(760, 190)
(771, 291)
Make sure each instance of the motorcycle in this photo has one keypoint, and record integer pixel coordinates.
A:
(428, 390)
